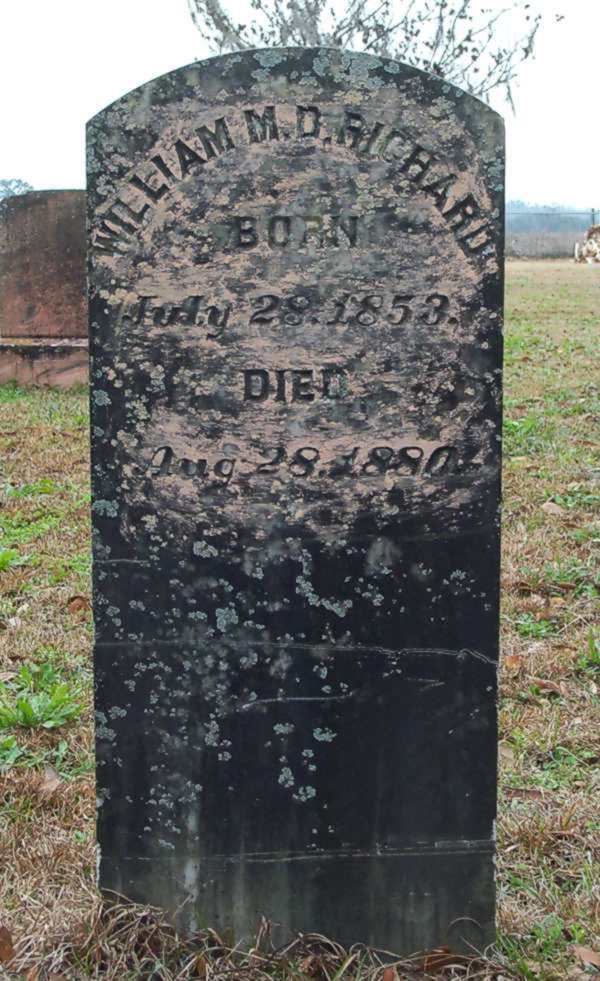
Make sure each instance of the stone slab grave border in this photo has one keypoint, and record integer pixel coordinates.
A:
(295, 267)
(43, 317)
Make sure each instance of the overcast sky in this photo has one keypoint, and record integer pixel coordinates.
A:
(63, 60)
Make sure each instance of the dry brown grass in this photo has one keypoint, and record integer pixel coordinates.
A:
(549, 828)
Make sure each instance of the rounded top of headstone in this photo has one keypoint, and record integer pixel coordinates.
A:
(332, 66)
(42, 264)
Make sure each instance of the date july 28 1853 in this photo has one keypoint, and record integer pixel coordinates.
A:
(388, 308)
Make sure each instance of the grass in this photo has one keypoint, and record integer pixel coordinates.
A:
(549, 821)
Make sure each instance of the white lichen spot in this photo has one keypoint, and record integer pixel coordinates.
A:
(324, 735)
(286, 777)
(204, 550)
(109, 509)
(100, 397)
(305, 793)
(116, 712)
(283, 728)
(225, 618)
(212, 734)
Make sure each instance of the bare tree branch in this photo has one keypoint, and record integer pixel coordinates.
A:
(460, 40)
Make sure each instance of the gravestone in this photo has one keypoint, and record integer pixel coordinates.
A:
(295, 303)
(43, 316)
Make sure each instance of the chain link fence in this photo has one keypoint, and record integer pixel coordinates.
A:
(546, 234)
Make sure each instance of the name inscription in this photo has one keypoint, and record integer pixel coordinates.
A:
(415, 166)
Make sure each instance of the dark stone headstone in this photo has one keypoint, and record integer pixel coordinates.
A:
(296, 308)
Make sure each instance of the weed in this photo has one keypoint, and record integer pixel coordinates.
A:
(563, 768)
(573, 573)
(589, 661)
(10, 752)
(577, 498)
(528, 626)
(10, 558)
(37, 696)
(49, 709)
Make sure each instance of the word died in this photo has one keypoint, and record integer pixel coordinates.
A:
(293, 385)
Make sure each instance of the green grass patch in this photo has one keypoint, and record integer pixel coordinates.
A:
(21, 529)
(78, 565)
(43, 486)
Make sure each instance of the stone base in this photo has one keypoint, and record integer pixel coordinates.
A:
(44, 361)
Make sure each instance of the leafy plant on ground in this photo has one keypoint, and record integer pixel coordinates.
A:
(37, 696)
(10, 752)
(10, 558)
(528, 626)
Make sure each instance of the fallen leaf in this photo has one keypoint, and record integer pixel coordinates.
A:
(587, 956)
(390, 974)
(513, 663)
(546, 686)
(32, 974)
(554, 509)
(7, 951)
(78, 604)
(50, 782)
(528, 793)
(558, 601)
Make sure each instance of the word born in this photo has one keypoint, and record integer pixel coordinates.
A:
(306, 461)
(366, 309)
(294, 231)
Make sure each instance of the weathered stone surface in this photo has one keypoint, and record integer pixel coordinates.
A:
(295, 311)
(42, 265)
(60, 364)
